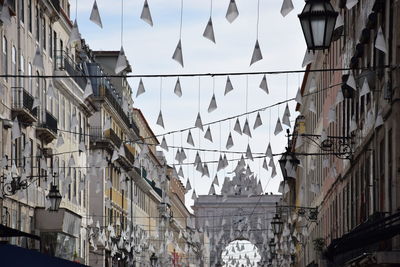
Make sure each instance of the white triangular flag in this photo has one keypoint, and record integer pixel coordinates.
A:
(188, 185)
(246, 128)
(286, 120)
(313, 85)
(74, 121)
(38, 59)
(180, 172)
(199, 123)
(36, 102)
(160, 120)
(353, 124)
(265, 165)
(146, 15)
(71, 162)
(299, 97)
(212, 190)
(351, 3)
(264, 84)
(257, 55)
(114, 155)
(75, 36)
(178, 88)
(140, 89)
(258, 121)
(331, 115)
(178, 53)
(82, 147)
(268, 153)
(209, 31)
(220, 163)
(287, 6)
(5, 16)
(164, 144)
(208, 135)
(339, 21)
(15, 130)
(194, 197)
(122, 62)
(205, 170)
(249, 155)
(309, 57)
(50, 91)
(228, 86)
(189, 139)
(60, 140)
(324, 136)
(237, 127)
(311, 107)
(379, 120)
(339, 97)
(88, 89)
(365, 88)
(273, 174)
(215, 181)
(232, 13)
(351, 81)
(380, 42)
(213, 104)
(229, 142)
(278, 127)
(95, 15)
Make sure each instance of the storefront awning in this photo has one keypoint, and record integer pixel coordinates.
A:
(6, 231)
(14, 256)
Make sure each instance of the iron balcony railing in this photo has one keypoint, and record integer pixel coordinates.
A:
(46, 120)
(97, 134)
(64, 62)
(21, 99)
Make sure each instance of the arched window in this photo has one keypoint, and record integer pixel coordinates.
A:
(5, 56)
(14, 64)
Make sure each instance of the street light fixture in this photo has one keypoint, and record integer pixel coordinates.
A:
(277, 224)
(272, 246)
(289, 157)
(55, 198)
(153, 260)
(318, 20)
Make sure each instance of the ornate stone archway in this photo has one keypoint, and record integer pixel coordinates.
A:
(240, 212)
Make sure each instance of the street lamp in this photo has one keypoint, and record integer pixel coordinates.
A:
(318, 20)
(153, 260)
(55, 198)
(290, 158)
(277, 224)
(272, 246)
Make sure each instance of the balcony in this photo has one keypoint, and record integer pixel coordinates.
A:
(104, 139)
(135, 128)
(22, 103)
(104, 92)
(63, 62)
(128, 160)
(47, 126)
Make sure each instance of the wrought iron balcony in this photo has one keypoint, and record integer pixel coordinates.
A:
(64, 62)
(22, 103)
(97, 135)
(47, 126)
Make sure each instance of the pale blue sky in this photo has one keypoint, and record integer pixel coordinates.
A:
(149, 50)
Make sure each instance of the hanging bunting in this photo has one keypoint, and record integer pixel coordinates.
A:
(160, 120)
(331, 115)
(122, 62)
(220, 163)
(212, 190)
(215, 181)
(95, 15)
(38, 59)
(299, 97)
(257, 56)
(177, 56)
(36, 102)
(264, 84)
(265, 164)
(88, 89)
(188, 186)
(213, 104)
(324, 136)
(311, 107)
(228, 86)
(351, 81)
(189, 139)
(365, 88)
(199, 123)
(258, 121)
(380, 42)
(180, 172)
(287, 6)
(246, 129)
(75, 36)
(205, 170)
(146, 15)
(15, 129)
(183, 154)
(249, 155)
(178, 88)
(232, 13)
(208, 135)
(209, 31)
(268, 153)
(50, 90)
(140, 89)
(278, 127)
(379, 120)
(273, 174)
(229, 142)
(164, 144)
(351, 3)
(5, 16)
(309, 57)
(286, 116)
(313, 85)
(74, 121)
(237, 127)
(197, 159)
(353, 124)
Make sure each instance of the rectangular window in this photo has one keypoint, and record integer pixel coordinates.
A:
(22, 71)
(5, 57)
(14, 64)
(55, 44)
(37, 24)
(43, 33)
(22, 10)
(50, 41)
(30, 16)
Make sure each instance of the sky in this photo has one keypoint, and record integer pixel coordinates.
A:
(149, 51)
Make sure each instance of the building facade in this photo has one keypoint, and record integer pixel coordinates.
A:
(353, 175)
